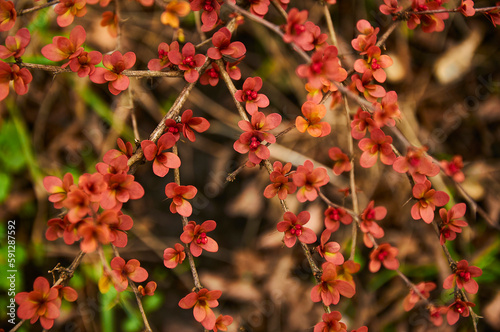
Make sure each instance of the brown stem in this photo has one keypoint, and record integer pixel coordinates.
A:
(33, 9)
(141, 308)
(232, 89)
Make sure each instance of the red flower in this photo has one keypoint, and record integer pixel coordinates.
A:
(375, 63)
(362, 121)
(296, 32)
(85, 63)
(68, 9)
(233, 70)
(412, 298)
(457, 309)
(8, 15)
(451, 223)
(122, 271)
(58, 188)
(174, 10)
(333, 217)
(293, 227)
(427, 200)
(115, 63)
(211, 75)
(174, 256)
(310, 180)
(453, 168)
(331, 287)
(180, 195)
(417, 164)
(110, 21)
(319, 38)
(118, 223)
(430, 22)
(223, 46)
(188, 61)
(78, 204)
(43, 302)
(163, 60)
(387, 110)
(467, 8)
(21, 77)
(15, 45)
(281, 182)
(313, 114)
(435, 315)
(366, 39)
(390, 7)
(190, 123)
(163, 160)
(493, 15)
(463, 277)
(222, 323)
(196, 236)
(63, 228)
(94, 232)
(324, 68)
(125, 149)
(63, 48)
(93, 185)
(250, 96)
(329, 250)
(368, 224)
(255, 133)
(341, 161)
(202, 301)
(331, 323)
(371, 92)
(210, 15)
(378, 143)
(346, 270)
(384, 254)
(121, 188)
(259, 7)
(149, 290)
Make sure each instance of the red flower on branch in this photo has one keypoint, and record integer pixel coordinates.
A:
(174, 256)
(202, 302)
(190, 123)
(390, 7)
(295, 30)
(467, 8)
(115, 64)
(313, 114)
(341, 161)
(173, 10)
(223, 46)
(412, 298)
(222, 322)
(377, 144)
(374, 63)
(124, 149)
(384, 254)
(8, 15)
(457, 309)
(494, 15)
(259, 7)
(15, 45)
(387, 110)
(417, 164)
(427, 200)
(58, 188)
(149, 289)
(333, 217)
(187, 61)
(451, 222)
(21, 77)
(370, 91)
(361, 122)
(324, 68)
(250, 96)
(180, 195)
(310, 180)
(329, 289)
(163, 160)
(163, 60)
(462, 277)
(210, 15)
(118, 223)
(282, 184)
(368, 224)
(196, 236)
(330, 251)
(211, 75)
(121, 188)
(68, 9)
(122, 271)
(331, 323)
(366, 39)
(430, 22)
(453, 168)
(63, 48)
(110, 21)
(293, 227)
(78, 204)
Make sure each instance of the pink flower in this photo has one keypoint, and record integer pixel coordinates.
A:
(122, 271)
(202, 302)
(84, 64)
(430, 22)
(293, 227)
(313, 114)
(282, 184)
(384, 254)
(58, 188)
(427, 200)
(370, 91)
(295, 30)
(210, 15)
(333, 217)
(196, 236)
(174, 256)
(222, 323)
(387, 110)
(93, 185)
(390, 7)
(180, 195)
(375, 63)
(323, 69)
(310, 180)
(187, 61)
(330, 251)
(149, 289)
(163, 160)
(115, 64)
(330, 322)
(368, 224)
(259, 7)
(361, 122)
(21, 77)
(223, 46)
(467, 8)
(453, 168)
(457, 309)
(68, 9)
(163, 60)
(417, 164)
(366, 39)
(121, 188)
(8, 15)
(451, 223)
(118, 223)
(412, 298)
(377, 144)
(329, 289)
(94, 232)
(63, 48)
(190, 123)
(15, 45)
(78, 204)
(250, 96)
(462, 276)
(341, 161)
(211, 75)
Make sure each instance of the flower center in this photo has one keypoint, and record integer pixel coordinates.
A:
(382, 255)
(422, 8)
(83, 58)
(459, 308)
(453, 168)
(296, 230)
(464, 275)
(212, 73)
(254, 143)
(208, 6)
(251, 95)
(299, 28)
(162, 54)
(446, 233)
(173, 130)
(202, 238)
(334, 215)
(414, 161)
(188, 61)
(375, 64)
(370, 215)
(316, 67)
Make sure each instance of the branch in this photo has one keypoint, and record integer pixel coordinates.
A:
(33, 9)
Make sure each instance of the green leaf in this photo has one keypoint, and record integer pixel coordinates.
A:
(11, 157)
(5, 182)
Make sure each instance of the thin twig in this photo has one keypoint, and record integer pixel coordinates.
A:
(33, 9)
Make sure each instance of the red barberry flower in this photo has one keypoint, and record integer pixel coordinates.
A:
(282, 184)
(333, 217)
(384, 254)
(331, 287)
(223, 46)
(313, 114)
(293, 227)
(361, 122)
(42, 302)
(118, 223)
(324, 68)
(341, 161)
(94, 232)
(412, 298)
(58, 188)
(115, 64)
(8, 15)
(463, 277)
(427, 200)
(210, 15)
(346, 270)
(330, 323)
(63, 48)
(417, 164)
(375, 63)
(122, 271)
(387, 110)
(494, 15)
(330, 251)
(467, 8)
(78, 204)
(113, 164)
(149, 289)
(173, 127)
(366, 39)
(370, 91)
(68, 9)
(368, 224)
(457, 309)
(121, 188)
(163, 160)
(110, 21)
(453, 168)
(190, 123)
(163, 60)
(435, 315)
(124, 149)
(451, 222)
(196, 236)
(430, 22)
(173, 10)
(174, 256)
(295, 30)
(211, 75)
(310, 180)
(378, 143)
(202, 301)
(15, 45)
(390, 7)
(180, 195)
(21, 77)
(187, 61)
(250, 96)
(222, 322)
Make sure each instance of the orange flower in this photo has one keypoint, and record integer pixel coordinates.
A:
(173, 11)
(313, 114)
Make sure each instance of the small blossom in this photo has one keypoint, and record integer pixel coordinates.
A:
(293, 227)
(412, 298)
(58, 188)
(163, 160)
(121, 188)
(457, 309)
(377, 144)
(361, 122)
(122, 271)
(427, 200)
(173, 10)
(222, 322)
(324, 68)
(462, 277)
(341, 161)
(180, 195)
(330, 251)
(187, 61)
(494, 15)
(368, 224)
(115, 64)
(390, 7)
(370, 91)
(366, 39)
(259, 7)
(429, 22)
(196, 236)
(21, 77)
(329, 289)
(110, 21)
(148, 290)
(118, 223)
(125, 149)
(63, 48)
(68, 9)
(190, 123)
(333, 217)
(330, 323)
(417, 163)
(94, 232)
(453, 168)
(451, 222)
(15, 45)
(223, 46)
(202, 301)
(384, 254)
(310, 180)
(282, 184)
(375, 63)
(467, 8)
(387, 110)
(295, 30)
(210, 15)
(174, 256)
(78, 204)
(313, 114)
(250, 95)
(163, 60)
(435, 315)
(8, 15)
(211, 75)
